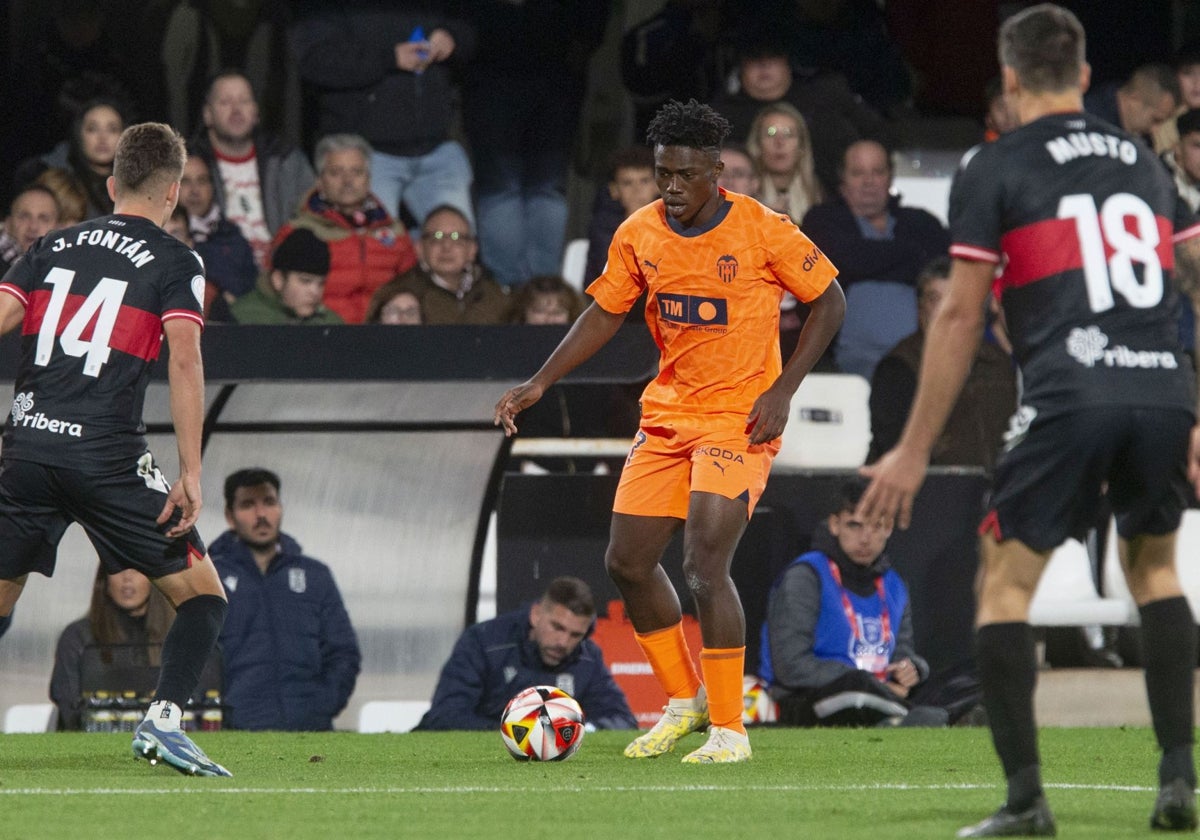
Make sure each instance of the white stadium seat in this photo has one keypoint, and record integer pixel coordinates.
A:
(1066, 595)
(30, 717)
(574, 264)
(391, 715)
(830, 424)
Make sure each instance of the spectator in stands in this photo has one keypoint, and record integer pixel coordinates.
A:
(367, 247)
(738, 173)
(1183, 160)
(292, 291)
(837, 645)
(999, 115)
(68, 192)
(522, 98)
(547, 299)
(32, 214)
(974, 431)
(387, 70)
(545, 643)
(1187, 73)
(116, 646)
(836, 117)
(779, 144)
(679, 52)
(631, 186)
(1140, 104)
(229, 266)
(257, 179)
(87, 153)
(291, 654)
(453, 287)
(879, 248)
(200, 39)
(395, 306)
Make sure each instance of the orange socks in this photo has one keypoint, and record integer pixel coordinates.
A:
(722, 668)
(667, 652)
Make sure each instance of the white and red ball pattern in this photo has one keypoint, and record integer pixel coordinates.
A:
(757, 705)
(542, 723)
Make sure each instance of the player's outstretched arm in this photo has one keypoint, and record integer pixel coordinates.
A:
(185, 373)
(949, 351)
(589, 333)
(769, 414)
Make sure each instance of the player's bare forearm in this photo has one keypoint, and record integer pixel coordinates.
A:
(12, 313)
(769, 415)
(185, 373)
(593, 329)
(950, 346)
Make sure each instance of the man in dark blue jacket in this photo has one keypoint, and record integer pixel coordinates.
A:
(544, 644)
(291, 656)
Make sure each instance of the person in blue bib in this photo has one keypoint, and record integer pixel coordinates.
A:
(837, 645)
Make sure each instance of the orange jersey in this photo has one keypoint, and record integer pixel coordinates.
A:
(712, 305)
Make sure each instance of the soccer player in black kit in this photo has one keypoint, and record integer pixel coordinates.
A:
(94, 302)
(1084, 226)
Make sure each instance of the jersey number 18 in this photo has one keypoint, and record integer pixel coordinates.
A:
(1106, 230)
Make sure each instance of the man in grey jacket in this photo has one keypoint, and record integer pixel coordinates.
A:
(258, 180)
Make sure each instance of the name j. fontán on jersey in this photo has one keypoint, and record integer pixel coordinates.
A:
(126, 246)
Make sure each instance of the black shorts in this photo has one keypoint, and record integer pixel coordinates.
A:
(1049, 484)
(116, 509)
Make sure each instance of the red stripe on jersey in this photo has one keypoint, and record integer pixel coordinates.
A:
(136, 331)
(974, 252)
(1050, 247)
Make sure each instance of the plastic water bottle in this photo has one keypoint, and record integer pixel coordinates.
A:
(104, 717)
(211, 713)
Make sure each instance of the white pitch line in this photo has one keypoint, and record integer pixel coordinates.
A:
(540, 789)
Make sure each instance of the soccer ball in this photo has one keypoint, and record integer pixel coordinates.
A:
(542, 723)
(757, 704)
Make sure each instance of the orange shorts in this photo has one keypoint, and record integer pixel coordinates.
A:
(665, 466)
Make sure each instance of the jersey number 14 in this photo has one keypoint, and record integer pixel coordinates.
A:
(103, 305)
(1106, 229)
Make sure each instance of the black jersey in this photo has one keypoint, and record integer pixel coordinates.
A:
(1082, 220)
(96, 296)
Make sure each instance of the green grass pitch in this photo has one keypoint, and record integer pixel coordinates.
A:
(893, 784)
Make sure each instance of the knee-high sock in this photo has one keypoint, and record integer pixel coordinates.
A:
(723, 670)
(1169, 654)
(1008, 672)
(190, 640)
(667, 652)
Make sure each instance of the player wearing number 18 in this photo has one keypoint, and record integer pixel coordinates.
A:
(1085, 227)
(94, 302)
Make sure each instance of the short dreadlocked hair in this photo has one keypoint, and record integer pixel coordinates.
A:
(692, 125)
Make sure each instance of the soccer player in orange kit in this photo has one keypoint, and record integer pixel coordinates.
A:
(715, 266)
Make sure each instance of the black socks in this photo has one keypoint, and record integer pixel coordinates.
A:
(1169, 654)
(1008, 671)
(190, 640)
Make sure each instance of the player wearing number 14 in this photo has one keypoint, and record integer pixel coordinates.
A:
(94, 302)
